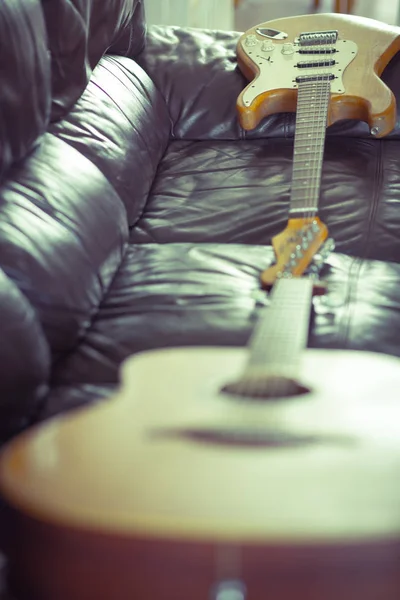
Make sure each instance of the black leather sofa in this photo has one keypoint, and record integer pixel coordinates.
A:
(135, 213)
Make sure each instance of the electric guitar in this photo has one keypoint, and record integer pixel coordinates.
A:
(220, 473)
(326, 68)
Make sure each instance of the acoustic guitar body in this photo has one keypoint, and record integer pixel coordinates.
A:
(175, 489)
(275, 64)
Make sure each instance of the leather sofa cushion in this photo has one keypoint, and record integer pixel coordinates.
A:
(25, 80)
(63, 233)
(209, 294)
(79, 33)
(227, 192)
(121, 123)
(196, 72)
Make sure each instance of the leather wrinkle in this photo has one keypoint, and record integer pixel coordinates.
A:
(142, 212)
(377, 193)
(351, 295)
(122, 102)
(85, 334)
(138, 97)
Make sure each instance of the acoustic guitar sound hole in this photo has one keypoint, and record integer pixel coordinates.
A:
(261, 389)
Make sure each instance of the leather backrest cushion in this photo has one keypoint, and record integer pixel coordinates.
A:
(25, 79)
(63, 233)
(79, 33)
(132, 38)
(24, 361)
(121, 123)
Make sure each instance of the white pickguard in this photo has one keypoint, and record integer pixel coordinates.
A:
(278, 65)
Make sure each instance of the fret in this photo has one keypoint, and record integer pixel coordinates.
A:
(302, 182)
(305, 168)
(303, 212)
(309, 112)
(305, 200)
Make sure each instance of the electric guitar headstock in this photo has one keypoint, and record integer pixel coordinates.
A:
(300, 250)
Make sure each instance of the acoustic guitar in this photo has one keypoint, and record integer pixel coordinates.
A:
(217, 474)
(267, 472)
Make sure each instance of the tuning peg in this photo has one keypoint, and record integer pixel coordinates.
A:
(286, 273)
(314, 276)
(304, 244)
(320, 258)
(313, 268)
(310, 235)
(329, 244)
(327, 248)
(315, 226)
(299, 251)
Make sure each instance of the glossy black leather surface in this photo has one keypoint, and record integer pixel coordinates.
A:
(223, 191)
(24, 359)
(142, 215)
(121, 123)
(79, 33)
(25, 80)
(209, 294)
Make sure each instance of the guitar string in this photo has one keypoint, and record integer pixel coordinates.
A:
(314, 94)
(319, 93)
(310, 95)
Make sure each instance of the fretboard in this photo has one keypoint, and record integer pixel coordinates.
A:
(309, 140)
(281, 334)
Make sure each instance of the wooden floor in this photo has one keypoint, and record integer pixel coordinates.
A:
(251, 12)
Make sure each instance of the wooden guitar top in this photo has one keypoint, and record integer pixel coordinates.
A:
(124, 466)
(171, 490)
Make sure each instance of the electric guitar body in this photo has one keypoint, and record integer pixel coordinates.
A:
(274, 57)
(266, 472)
